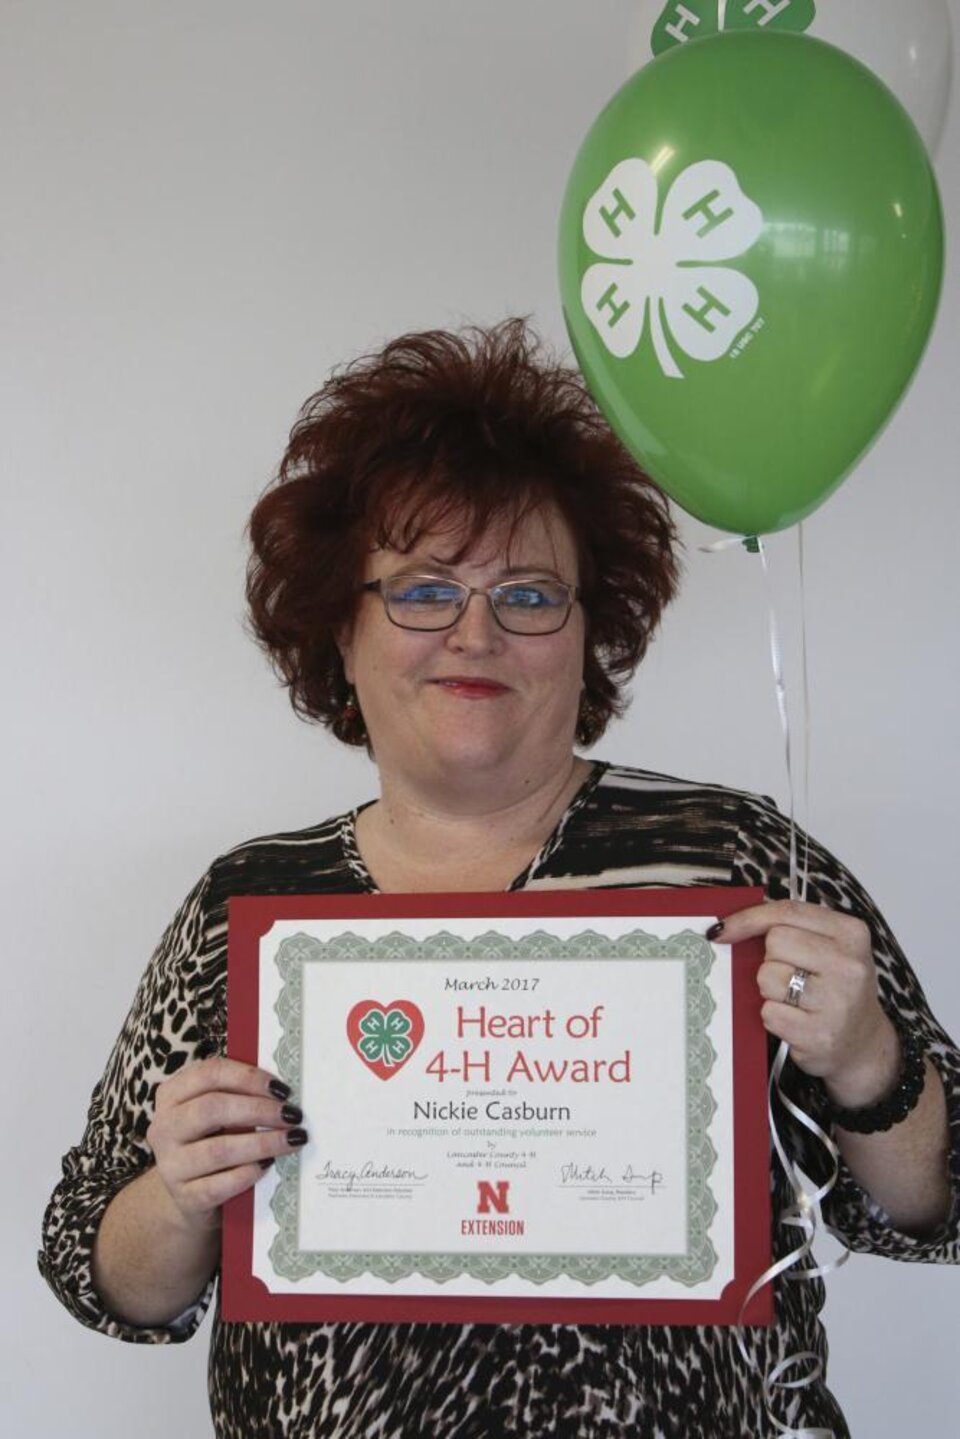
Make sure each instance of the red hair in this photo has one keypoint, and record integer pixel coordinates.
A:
(462, 431)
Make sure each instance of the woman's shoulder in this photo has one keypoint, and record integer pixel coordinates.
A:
(628, 786)
(633, 826)
(712, 830)
(325, 832)
(315, 858)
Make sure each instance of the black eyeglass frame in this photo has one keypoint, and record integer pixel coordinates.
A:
(574, 594)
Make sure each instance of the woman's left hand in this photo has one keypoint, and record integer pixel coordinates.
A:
(837, 1029)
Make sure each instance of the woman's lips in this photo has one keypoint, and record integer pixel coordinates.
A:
(471, 688)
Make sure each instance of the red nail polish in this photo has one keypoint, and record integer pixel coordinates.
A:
(715, 930)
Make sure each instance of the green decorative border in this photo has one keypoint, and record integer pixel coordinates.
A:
(690, 1268)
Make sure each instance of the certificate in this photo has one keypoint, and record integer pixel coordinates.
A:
(540, 1107)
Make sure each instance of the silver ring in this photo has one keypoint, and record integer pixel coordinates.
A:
(798, 983)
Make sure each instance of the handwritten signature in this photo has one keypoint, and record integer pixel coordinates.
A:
(369, 1172)
(575, 1174)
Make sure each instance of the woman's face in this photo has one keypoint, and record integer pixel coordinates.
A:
(472, 705)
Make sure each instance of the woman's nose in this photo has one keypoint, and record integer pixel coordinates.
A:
(476, 628)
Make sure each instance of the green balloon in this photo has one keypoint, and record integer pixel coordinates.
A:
(751, 254)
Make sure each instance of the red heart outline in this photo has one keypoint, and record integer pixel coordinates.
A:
(354, 1033)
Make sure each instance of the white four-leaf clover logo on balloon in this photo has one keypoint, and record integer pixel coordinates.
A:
(666, 275)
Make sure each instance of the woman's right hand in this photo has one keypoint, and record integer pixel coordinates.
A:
(218, 1125)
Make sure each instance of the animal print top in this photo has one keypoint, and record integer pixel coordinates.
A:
(366, 1381)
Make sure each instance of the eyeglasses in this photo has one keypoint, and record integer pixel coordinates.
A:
(522, 607)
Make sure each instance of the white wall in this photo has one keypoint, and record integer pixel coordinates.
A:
(205, 206)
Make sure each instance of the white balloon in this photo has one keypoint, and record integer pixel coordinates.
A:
(908, 43)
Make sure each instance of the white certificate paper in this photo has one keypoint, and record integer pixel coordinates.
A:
(522, 1112)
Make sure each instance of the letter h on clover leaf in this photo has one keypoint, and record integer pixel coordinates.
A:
(667, 275)
(684, 20)
(796, 15)
(385, 1037)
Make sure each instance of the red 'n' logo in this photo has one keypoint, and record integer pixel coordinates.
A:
(493, 1196)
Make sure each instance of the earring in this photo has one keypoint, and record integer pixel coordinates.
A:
(587, 719)
(349, 710)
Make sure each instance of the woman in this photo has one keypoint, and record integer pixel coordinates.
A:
(458, 567)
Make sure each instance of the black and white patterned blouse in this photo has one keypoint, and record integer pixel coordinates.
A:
(624, 828)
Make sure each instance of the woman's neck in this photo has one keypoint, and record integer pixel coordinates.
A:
(409, 841)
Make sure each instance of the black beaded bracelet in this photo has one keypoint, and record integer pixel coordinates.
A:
(887, 1112)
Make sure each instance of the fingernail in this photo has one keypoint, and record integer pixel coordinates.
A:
(278, 1089)
(291, 1114)
(715, 930)
(265, 1163)
(296, 1137)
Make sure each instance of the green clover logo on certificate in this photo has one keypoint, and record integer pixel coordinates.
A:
(384, 1036)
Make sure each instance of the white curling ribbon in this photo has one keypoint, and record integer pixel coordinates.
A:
(797, 878)
(804, 1214)
(781, 692)
(805, 695)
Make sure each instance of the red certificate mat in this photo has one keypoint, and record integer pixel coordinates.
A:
(533, 1107)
